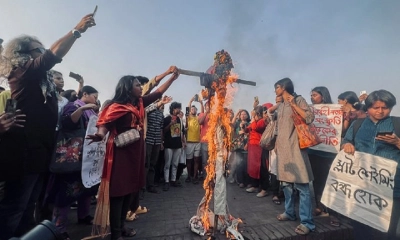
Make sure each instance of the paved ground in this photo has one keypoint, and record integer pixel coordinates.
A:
(170, 213)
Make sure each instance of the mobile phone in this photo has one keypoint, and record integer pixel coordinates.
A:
(11, 107)
(383, 133)
(256, 99)
(187, 111)
(363, 92)
(196, 98)
(75, 76)
(95, 10)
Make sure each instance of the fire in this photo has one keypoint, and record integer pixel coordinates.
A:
(218, 119)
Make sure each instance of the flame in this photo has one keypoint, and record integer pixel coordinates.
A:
(218, 118)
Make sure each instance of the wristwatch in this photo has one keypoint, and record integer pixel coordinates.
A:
(76, 33)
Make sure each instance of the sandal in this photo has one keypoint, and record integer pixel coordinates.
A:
(276, 200)
(128, 232)
(141, 210)
(130, 216)
(283, 217)
(334, 221)
(302, 230)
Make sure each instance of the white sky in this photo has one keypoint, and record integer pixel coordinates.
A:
(343, 45)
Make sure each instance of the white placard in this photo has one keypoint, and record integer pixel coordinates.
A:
(361, 188)
(328, 126)
(92, 156)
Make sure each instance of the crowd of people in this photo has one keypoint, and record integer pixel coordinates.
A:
(164, 145)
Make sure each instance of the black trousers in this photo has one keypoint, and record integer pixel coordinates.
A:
(119, 206)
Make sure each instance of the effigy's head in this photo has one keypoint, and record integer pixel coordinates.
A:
(223, 64)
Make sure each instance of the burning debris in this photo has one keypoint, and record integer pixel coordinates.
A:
(215, 82)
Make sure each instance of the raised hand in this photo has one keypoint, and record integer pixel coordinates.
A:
(172, 69)
(89, 106)
(85, 23)
(166, 99)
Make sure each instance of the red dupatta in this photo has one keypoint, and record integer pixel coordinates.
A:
(101, 221)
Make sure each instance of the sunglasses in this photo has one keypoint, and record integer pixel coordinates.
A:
(38, 50)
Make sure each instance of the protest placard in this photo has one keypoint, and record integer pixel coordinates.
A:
(92, 156)
(361, 188)
(328, 126)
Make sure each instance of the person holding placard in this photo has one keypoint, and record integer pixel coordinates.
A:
(376, 135)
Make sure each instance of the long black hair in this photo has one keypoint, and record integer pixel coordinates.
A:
(324, 92)
(351, 97)
(287, 84)
(123, 91)
(87, 89)
(68, 95)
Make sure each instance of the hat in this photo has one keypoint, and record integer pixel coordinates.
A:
(267, 105)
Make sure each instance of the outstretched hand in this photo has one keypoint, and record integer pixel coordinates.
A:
(166, 100)
(172, 69)
(175, 75)
(85, 23)
(95, 138)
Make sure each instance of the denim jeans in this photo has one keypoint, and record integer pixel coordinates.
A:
(18, 205)
(171, 160)
(305, 209)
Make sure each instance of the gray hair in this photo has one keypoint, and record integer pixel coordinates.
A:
(15, 54)
(53, 72)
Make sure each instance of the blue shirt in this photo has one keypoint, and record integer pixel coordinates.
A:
(364, 141)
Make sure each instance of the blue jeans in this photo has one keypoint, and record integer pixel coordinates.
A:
(305, 208)
(18, 205)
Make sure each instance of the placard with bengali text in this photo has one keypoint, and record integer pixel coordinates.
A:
(361, 188)
(328, 126)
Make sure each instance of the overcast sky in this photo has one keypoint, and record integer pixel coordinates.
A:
(343, 45)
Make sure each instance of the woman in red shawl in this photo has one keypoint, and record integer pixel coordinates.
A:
(124, 170)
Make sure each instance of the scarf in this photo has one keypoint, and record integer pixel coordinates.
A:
(87, 113)
(101, 221)
(47, 85)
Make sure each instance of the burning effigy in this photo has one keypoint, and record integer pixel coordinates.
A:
(215, 81)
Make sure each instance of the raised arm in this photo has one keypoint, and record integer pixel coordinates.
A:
(157, 79)
(163, 88)
(61, 47)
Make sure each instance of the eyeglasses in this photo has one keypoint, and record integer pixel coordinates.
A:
(38, 50)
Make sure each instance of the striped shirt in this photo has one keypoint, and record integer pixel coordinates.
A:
(155, 123)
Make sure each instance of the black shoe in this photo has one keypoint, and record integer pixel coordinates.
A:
(93, 201)
(65, 236)
(152, 190)
(196, 181)
(74, 206)
(176, 184)
(88, 220)
(166, 187)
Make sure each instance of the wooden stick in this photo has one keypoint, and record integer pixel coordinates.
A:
(199, 74)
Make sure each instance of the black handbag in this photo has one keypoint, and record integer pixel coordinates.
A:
(67, 157)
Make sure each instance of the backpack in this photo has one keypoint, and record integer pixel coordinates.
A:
(395, 121)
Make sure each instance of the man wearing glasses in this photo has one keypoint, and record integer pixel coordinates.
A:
(25, 152)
